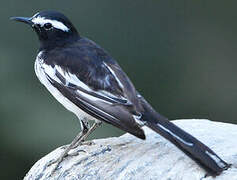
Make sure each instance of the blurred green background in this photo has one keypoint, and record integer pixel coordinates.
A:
(181, 55)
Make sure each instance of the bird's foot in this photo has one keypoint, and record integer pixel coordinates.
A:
(56, 162)
(86, 143)
(76, 153)
(78, 140)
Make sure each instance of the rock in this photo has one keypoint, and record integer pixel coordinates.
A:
(127, 157)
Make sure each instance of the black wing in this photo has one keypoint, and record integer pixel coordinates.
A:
(93, 81)
(86, 75)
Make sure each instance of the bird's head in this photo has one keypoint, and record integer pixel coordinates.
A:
(53, 28)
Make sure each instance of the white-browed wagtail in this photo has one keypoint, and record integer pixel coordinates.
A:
(87, 81)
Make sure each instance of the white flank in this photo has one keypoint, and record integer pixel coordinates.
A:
(175, 136)
(56, 24)
(43, 70)
(41, 74)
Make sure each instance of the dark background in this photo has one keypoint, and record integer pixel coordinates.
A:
(181, 55)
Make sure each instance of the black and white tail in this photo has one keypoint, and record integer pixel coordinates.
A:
(192, 147)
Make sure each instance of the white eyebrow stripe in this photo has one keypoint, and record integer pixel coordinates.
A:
(56, 24)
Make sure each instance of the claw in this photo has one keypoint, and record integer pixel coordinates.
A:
(88, 143)
(76, 153)
(79, 139)
(51, 162)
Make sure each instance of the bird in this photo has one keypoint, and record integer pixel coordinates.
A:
(89, 82)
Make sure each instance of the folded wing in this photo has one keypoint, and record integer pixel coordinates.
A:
(118, 110)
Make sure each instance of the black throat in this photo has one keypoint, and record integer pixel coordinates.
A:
(48, 44)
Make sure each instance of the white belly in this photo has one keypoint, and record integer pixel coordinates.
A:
(62, 99)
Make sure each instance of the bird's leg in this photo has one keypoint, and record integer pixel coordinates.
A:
(77, 141)
(93, 127)
(84, 128)
(65, 152)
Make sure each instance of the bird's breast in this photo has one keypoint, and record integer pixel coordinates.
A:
(40, 73)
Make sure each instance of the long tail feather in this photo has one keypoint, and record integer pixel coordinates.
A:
(192, 147)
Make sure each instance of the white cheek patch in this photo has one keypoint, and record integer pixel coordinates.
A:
(56, 24)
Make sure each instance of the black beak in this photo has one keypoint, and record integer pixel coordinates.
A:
(23, 19)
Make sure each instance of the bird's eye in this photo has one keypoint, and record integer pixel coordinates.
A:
(47, 26)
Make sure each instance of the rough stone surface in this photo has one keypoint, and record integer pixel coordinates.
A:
(127, 157)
